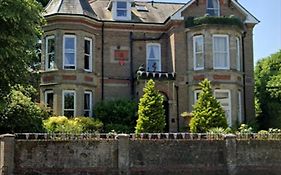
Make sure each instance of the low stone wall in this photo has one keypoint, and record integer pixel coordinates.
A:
(167, 154)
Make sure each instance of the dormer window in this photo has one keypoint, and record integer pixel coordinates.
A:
(213, 7)
(121, 10)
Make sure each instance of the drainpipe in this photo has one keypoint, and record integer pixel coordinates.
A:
(102, 62)
(132, 66)
(178, 118)
(244, 74)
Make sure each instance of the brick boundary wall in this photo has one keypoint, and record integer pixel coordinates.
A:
(146, 155)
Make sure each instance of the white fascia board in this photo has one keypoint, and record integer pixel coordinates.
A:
(249, 17)
(177, 14)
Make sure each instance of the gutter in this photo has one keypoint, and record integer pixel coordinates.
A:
(132, 67)
(244, 75)
(102, 62)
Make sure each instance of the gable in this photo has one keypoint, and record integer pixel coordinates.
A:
(227, 7)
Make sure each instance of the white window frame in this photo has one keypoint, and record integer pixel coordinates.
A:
(227, 51)
(47, 53)
(239, 105)
(229, 120)
(63, 109)
(148, 45)
(238, 55)
(196, 94)
(91, 103)
(115, 9)
(90, 55)
(218, 9)
(195, 53)
(46, 96)
(64, 52)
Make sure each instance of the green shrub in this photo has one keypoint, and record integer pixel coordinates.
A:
(207, 112)
(151, 113)
(245, 129)
(118, 115)
(61, 124)
(18, 113)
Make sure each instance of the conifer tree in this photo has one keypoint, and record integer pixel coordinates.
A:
(207, 111)
(151, 114)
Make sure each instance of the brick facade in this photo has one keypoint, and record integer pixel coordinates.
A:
(117, 79)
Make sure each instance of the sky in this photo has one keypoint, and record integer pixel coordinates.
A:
(267, 34)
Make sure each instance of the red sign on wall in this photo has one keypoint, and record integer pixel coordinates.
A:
(121, 56)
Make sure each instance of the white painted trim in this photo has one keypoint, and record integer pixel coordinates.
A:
(69, 91)
(249, 17)
(114, 10)
(219, 8)
(196, 95)
(227, 49)
(45, 96)
(147, 54)
(238, 53)
(91, 102)
(90, 55)
(75, 52)
(229, 102)
(194, 53)
(47, 53)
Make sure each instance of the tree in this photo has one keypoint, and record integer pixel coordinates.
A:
(268, 91)
(207, 112)
(19, 113)
(117, 115)
(21, 22)
(151, 113)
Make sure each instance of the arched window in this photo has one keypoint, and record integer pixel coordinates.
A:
(213, 7)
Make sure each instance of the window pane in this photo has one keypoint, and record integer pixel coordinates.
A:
(87, 114)
(86, 62)
(122, 5)
(87, 47)
(69, 100)
(220, 44)
(51, 45)
(153, 65)
(69, 58)
(69, 43)
(199, 44)
(121, 12)
(86, 101)
(49, 99)
(51, 61)
(199, 60)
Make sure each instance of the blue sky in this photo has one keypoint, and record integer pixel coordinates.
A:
(267, 34)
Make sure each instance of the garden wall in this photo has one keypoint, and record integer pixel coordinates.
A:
(176, 154)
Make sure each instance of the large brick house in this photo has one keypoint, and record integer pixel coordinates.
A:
(96, 50)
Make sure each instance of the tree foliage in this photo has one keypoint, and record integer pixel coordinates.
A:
(207, 112)
(19, 113)
(151, 113)
(62, 124)
(117, 115)
(21, 22)
(268, 91)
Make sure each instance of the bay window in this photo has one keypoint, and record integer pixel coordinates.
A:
(238, 57)
(88, 104)
(88, 54)
(223, 96)
(221, 52)
(50, 53)
(69, 103)
(198, 52)
(69, 52)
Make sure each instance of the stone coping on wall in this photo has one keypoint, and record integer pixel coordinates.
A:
(146, 136)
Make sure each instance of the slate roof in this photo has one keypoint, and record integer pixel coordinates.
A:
(158, 12)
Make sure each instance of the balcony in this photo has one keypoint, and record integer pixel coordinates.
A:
(215, 20)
